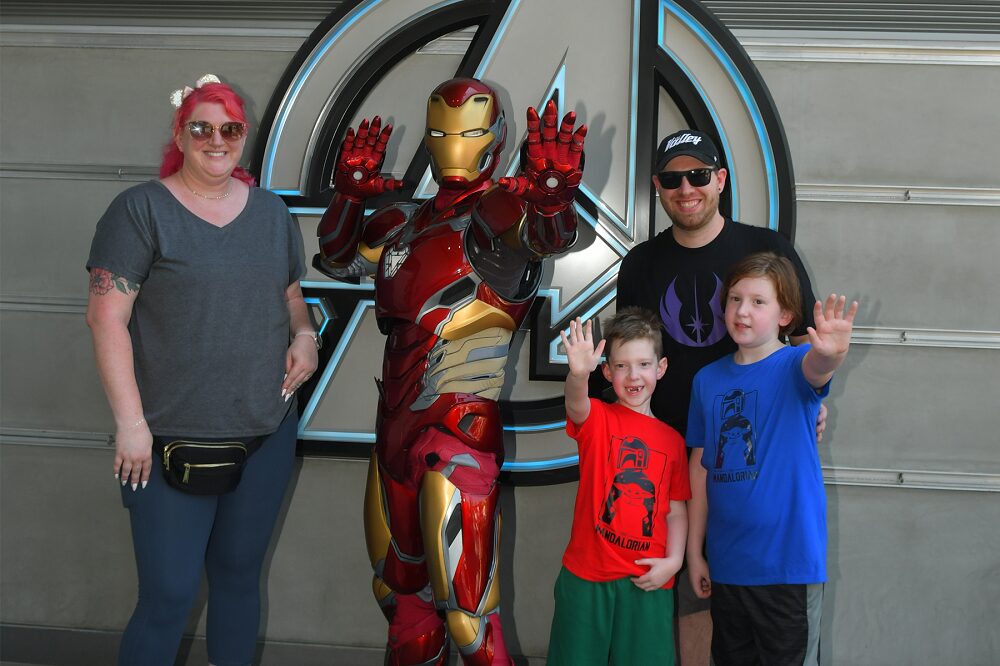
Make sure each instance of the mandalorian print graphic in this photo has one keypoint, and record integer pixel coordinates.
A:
(627, 513)
(736, 444)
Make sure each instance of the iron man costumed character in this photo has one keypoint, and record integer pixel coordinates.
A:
(454, 278)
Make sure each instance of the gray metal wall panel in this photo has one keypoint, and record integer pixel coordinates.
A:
(905, 124)
(65, 556)
(112, 105)
(49, 379)
(914, 578)
(52, 231)
(912, 265)
(914, 409)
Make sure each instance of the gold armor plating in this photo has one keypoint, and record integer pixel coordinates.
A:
(473, 317)
(377, 534)
(464, 628)
(459, 151)
(372, 254)
(382, 592)
(449, 369)
(438, 498)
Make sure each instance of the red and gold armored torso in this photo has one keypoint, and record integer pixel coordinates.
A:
(448, 331)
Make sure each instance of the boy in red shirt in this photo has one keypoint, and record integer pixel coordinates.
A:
(613, 599)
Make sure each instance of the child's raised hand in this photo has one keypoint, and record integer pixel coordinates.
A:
(832, 335)
(583, 357)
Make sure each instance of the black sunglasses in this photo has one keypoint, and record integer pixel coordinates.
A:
(671, 180)
(203, 130)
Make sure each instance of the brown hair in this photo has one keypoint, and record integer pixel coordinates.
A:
(781, 273)
(633, 323)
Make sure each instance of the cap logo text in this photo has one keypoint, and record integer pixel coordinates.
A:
(683, 138)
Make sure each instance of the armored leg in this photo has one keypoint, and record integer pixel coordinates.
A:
(461, 526)
(417, 633)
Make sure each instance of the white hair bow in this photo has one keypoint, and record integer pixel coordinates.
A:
(177, 97)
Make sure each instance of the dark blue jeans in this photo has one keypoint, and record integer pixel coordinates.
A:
(176, 535)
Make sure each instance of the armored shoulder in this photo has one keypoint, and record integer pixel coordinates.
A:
(385, 223)
(497, 212)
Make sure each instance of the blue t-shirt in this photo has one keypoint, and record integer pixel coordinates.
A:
(766, 503)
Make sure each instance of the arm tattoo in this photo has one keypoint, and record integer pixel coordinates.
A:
(103, 281)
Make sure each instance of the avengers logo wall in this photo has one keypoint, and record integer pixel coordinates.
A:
(632, 71)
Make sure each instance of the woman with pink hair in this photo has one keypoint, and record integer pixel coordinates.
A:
(202, 338)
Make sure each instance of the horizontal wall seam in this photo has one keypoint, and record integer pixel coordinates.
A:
(864, 335)
(828, 192)
(64, 171)
(925, 337)
(57, 438)
(761, 47)
(832, 475)
(43, 304)
(898, 194)
(869, 52)
(911, 479)
(154, 37)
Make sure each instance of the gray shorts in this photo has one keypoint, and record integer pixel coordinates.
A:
(688, 602)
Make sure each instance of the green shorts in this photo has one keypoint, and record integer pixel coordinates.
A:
(610, 623)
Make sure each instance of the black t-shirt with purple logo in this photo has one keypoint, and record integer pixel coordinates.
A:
(683, 285)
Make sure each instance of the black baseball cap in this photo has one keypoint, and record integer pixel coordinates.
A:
(687, 142)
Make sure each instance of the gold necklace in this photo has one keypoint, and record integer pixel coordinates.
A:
(229, 190)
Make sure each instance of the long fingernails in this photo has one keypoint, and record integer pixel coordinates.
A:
(283, 393)
(144, 483)
(116, 476)
(124, 481)
(287, 397)
(134, 486)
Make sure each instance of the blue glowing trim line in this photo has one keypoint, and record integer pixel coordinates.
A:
(497, 38)
(556, 87)
(341, 436)
(704, 97)
(608, 213)
(286, 193)
(633, 120)
(553, 294)
(540, 465)
(306, 71)
(316, 211)
(554, 355)
(318, 302)
(748, 101)
(328, 372)
(599, 228)
(332, 285)
(538, 427)
(299, 82)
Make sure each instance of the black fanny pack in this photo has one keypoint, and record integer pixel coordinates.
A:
(205, 466)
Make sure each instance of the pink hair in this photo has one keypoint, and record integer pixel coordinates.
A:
(218, 93)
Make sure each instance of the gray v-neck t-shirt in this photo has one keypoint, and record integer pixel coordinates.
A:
(210, 324)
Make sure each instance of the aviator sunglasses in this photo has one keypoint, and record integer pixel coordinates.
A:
(671, 180)
(202, 130)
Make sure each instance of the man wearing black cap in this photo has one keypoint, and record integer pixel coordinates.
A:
(679, 275)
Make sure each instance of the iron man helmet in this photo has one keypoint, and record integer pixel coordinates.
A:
(465, 132)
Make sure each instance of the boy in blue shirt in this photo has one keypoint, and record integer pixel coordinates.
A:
(756, 482)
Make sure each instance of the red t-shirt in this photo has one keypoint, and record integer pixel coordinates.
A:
(631, 467)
